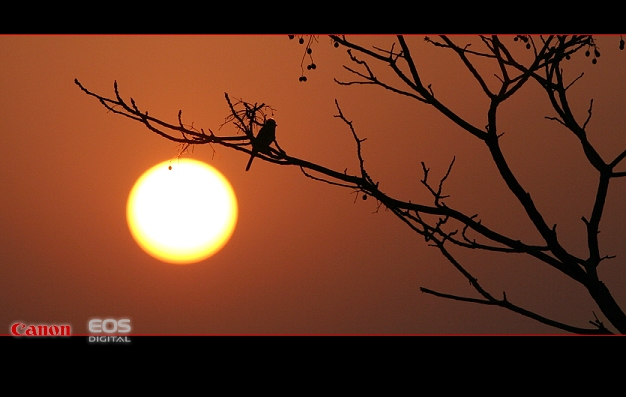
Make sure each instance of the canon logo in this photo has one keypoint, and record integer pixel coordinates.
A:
(20, 329)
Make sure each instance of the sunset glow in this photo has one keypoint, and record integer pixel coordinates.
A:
(90, 231)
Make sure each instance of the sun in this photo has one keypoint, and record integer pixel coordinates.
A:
(182, 211)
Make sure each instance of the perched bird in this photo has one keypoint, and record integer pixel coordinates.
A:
(263, 140)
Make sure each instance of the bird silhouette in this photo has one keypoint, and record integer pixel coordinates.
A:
(263, 140)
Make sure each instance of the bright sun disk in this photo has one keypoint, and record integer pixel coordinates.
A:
(182, 214)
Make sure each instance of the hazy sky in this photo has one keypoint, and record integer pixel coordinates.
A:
(305, 258)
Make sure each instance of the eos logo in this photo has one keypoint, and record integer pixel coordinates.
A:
(109, 326)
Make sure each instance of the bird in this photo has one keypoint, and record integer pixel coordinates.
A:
(263, 140)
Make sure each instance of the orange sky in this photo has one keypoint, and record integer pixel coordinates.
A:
(304, 257)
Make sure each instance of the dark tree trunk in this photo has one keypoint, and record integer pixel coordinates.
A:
(600, 293)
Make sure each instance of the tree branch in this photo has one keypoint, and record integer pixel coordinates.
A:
(437, 222)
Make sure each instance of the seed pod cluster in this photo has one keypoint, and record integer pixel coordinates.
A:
(523, 38)
(596, 53)
(308, 51)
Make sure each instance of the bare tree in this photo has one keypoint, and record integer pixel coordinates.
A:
(441, 225)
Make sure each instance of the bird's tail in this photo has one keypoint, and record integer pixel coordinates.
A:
(249, 162)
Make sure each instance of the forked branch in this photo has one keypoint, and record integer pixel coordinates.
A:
(439, 223)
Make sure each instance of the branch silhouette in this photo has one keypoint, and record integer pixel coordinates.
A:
(438, 223)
